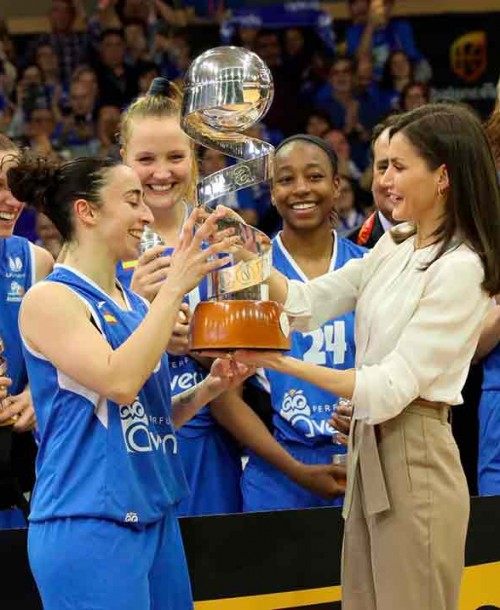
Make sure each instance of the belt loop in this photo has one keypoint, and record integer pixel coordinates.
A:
(445, 414)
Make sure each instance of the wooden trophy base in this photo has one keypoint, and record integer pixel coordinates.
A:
(230, 325)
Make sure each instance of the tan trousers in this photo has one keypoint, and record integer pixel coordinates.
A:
(407, 510)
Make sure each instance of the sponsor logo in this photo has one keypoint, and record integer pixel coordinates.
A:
(15, 264)
(296, 410)
(138, 435)
(185, 381)
(469, 56)
(131, 518)
(15, 293)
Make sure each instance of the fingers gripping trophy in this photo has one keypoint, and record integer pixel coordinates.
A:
(227, 90)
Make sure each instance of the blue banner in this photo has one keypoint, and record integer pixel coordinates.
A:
(277, 16)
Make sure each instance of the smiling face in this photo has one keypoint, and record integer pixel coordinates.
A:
(413, 187)
(305, 188)
(160, 152)
(10, 207)
(122, 214)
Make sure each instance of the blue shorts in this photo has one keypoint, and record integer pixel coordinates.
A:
(12, 518)
(83, 564)
(489, 444)
(266, 488)
(212, 465)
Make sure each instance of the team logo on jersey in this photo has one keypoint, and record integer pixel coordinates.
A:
(294, 405)
(109, 317)
(137, 432)
(15, 264)
(296, 410)
(15, 293)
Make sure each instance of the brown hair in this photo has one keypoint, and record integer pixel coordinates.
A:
(451, 135)
(52, 189)
(493, 132)
(159, 105)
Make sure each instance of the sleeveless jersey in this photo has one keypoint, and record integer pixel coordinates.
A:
(301, 409)
(17, 274)
(98, 458)
(491, 370)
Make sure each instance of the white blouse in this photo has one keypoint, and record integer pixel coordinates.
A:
(416, 331)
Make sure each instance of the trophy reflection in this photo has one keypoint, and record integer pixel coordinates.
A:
(227, 90)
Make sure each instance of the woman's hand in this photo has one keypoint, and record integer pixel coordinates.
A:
(179, 341)
(151, 272)
(258, 358)
(341, 421)
(5, 382)
(190, 262)
(324, 480)
(226, 374)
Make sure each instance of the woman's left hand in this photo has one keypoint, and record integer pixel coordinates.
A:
(226, 374)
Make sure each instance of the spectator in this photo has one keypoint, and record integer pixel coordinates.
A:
(414, 95)
(108, 121)
(79, 137)
(42, 132)
(136, 43)
(286, 111)
(148, 71)
(398, 74)
(339, 143)
(69, 45)
(88, 76)
(348, 206)
(117, 81)
(318, 123)
(376, 34)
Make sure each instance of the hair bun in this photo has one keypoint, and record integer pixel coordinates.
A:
(31, 179)
(159, 86)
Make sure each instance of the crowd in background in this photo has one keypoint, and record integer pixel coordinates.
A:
(61, 93)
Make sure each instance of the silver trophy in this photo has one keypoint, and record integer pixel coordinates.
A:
(227, 90)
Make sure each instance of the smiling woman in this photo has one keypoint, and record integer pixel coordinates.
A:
(109, 473)
(420, 298)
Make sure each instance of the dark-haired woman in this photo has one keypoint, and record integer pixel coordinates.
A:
(420, 297)
(21, 264)
(103, 530)
(305, 190)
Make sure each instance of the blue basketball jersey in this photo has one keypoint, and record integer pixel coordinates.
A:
(491, 370)
(185, 372)
(98, 458)
(17, 274)
(302, 410)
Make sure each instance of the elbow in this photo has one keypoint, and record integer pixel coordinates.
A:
(122, 393)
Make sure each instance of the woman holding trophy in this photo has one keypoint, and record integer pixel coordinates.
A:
(103, 527)
(420, 298)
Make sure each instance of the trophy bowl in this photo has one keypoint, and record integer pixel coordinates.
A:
(230, 325)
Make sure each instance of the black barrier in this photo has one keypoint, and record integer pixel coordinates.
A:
(275, 560)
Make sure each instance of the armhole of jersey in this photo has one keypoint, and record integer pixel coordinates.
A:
(94, 318)
(32, 255)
